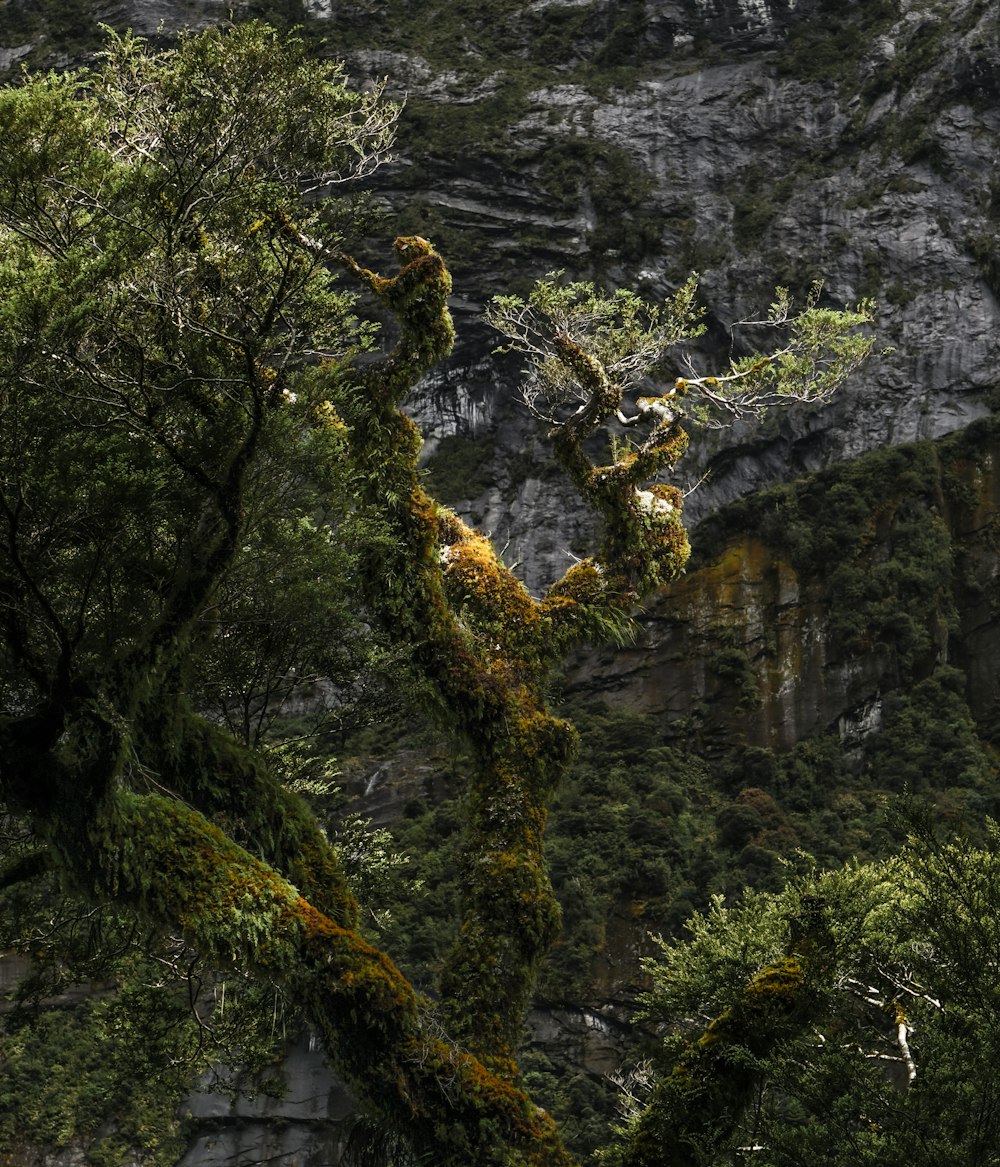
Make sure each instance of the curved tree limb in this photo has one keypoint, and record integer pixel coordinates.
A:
(588, 356)
(487, 668)
(26, 868)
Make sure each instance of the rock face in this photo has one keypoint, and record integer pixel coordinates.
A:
(303, 1126)
(755, 636)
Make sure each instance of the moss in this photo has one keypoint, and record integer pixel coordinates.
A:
(774, 989)
(503, 610)
(418, 298)
(225, 780)
(479, 639)
(474, 636)
(172, 864)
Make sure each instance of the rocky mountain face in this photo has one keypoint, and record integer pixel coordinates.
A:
(758, 142)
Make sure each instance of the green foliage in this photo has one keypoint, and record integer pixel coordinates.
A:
(912, 996)
(280, 631)
(624, 841)
(732, 666)
(645, 830)
(106, 1034)
(527, 43)
(73, 1076)
(372, 863)
(152, 301)
(982, 248)
(443, 131)
(929, 742)
(981, 244)
(628, 846)
(69, 27)
(831, 41)
(626, 336)
(583, 1102)
(418, 930)
(169, 447)
(559, 34)
(585, 349)
(171, 294)
(624, 44)
(757, 200)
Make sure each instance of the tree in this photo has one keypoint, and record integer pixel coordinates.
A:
(184, 407)
(875, 1043)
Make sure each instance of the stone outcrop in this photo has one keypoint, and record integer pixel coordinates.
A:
(303, 1126)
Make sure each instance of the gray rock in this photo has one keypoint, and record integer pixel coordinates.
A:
(817, 176)
(302, 1128)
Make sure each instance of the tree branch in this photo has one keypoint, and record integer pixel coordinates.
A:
(166, 861)
(26, 868)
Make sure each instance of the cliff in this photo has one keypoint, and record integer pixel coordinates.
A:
(808, 605)
(764, 142)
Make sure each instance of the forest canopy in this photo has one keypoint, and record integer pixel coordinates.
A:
(208, 484)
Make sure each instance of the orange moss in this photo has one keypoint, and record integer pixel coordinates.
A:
(487, 647)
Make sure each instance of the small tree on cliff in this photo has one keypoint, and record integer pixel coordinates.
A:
(178, 390)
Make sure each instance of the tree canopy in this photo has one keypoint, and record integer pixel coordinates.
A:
(849, 1019)
(208, 482)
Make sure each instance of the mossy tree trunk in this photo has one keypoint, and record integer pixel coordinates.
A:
(488, 648)
(168, 288)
